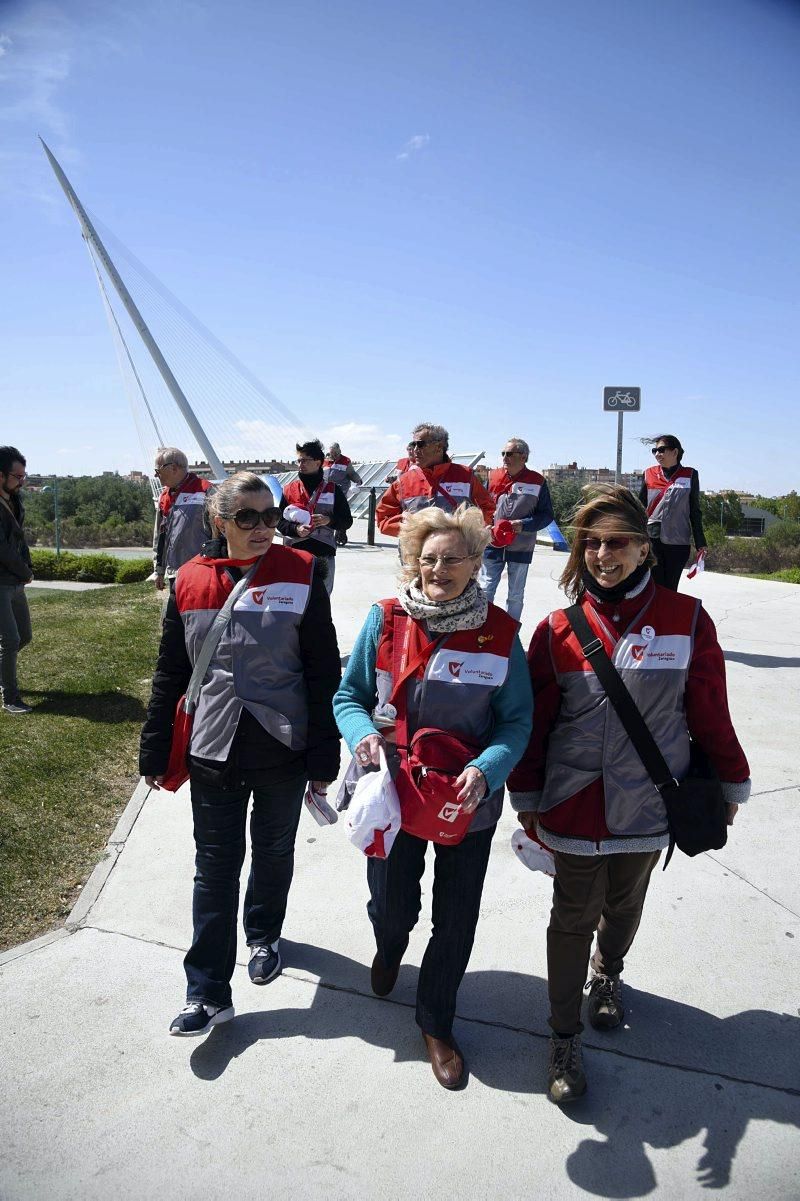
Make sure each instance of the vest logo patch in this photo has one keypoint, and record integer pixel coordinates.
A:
(449, 812)
(670, 651)
(470, 668)
(455, 488)
(648, 633)
(190, 498)
(681, 482)
(274, 598)
(527, 489)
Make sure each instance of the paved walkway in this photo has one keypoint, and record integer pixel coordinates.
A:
(320, 1089)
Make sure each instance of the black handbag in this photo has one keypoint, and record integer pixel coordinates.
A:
(696, 812)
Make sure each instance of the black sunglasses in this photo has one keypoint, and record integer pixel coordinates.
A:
(248, 519)
(420, 443)
(660, 450)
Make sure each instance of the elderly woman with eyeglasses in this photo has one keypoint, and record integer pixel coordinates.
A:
(263, 727)
(670, 493)
(437, 657)
(581, 786)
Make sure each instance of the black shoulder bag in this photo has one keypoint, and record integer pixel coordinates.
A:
(695, 806)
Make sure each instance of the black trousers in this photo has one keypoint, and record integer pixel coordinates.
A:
(671, 562)
(394, 905)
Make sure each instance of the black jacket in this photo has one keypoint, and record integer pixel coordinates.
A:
(255, 756)
(341, 519)
(15, 558)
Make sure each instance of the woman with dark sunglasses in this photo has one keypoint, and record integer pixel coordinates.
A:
(670, 493)
(263, 727)
(581, 787)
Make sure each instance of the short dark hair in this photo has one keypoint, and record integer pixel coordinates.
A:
(313, 449)
(669, 439)
(9, 455)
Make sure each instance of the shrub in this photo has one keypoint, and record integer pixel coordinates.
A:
(783, 533)
(95, 569)
(790, 576)
(132, 571)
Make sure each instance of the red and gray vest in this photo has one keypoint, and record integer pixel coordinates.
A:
(336, 470)
(181, 519)
(451, 489)
(320, 501)
(588, 741)
(257, 664)
(457, 686)
(517, 497)
(668, 504)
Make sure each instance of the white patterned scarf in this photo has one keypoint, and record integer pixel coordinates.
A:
(465, 612)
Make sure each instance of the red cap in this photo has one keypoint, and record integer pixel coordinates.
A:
(503, 533)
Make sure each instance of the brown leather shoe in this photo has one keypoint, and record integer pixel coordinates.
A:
(446, 1060)
(383, 979)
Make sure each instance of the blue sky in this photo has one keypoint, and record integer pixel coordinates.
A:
(476, 214)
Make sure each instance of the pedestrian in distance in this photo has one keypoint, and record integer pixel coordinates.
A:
(15, 572)
(438, 660)
(343, 474)
(431, 479)
(263, 728)
(179, 531)
(521, 497)
(314, 510)
(581, 786)
(670, 493)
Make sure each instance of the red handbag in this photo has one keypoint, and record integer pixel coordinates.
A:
(426, 786)
(177, 772)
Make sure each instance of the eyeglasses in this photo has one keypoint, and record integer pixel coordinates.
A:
(19, 475)
(420, 442)
(306, 459)
(164, 467)
(660, 450)
(446, 560)
(248, 519)
(609, 543)
(507, 454)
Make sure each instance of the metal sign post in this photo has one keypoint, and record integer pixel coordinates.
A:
(618, 400)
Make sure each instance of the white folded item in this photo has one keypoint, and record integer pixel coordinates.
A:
(297, 515)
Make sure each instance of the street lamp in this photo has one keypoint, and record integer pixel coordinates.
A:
(54, 490)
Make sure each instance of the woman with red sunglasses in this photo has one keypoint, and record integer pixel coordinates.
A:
(581, 787)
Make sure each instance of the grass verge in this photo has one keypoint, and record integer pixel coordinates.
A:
(69, 768)
(791, 575)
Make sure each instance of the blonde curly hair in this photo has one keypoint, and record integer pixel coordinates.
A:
(417, 528)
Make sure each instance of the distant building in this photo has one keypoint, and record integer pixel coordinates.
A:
(571, 473)
(756, 521)
(138, 477)
(259, 466)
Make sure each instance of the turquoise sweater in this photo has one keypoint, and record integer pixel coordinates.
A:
(512, 704)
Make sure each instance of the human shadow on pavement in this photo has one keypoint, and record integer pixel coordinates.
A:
(660, 1082)
(633, 1104)
(760, 660)
(388, 1024)
(93, 706)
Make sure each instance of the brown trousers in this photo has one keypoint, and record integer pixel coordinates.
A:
(603, 893)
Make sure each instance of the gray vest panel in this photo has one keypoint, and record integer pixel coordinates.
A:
(522, 501)
(184, 533)
(256, 666)
(323, 533)
(673, 512)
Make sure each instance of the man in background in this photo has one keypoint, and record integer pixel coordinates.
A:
(343, 474)
(179, 531)
(522, 498)
(15, 573)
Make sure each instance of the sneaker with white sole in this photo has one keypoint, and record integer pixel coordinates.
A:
(197, 1018)
(265, 963)
(17, 706)
(566, 1079)
(605, 1008)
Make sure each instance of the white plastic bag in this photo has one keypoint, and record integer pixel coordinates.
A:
(532, 853)
(297, 515)
(373, 816)
(317, 805)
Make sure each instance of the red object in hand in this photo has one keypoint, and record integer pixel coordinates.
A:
(503, 533)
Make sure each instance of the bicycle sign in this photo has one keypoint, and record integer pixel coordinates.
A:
(622, 400)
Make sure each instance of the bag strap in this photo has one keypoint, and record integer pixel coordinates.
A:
(402, 672)
(211, 640)
(635, 726)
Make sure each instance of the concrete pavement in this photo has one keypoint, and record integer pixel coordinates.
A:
(319, 1087)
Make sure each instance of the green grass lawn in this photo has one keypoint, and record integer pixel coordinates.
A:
(69, 768)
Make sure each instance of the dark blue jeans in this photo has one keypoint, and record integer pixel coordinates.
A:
(219, 835)
(394, 905)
